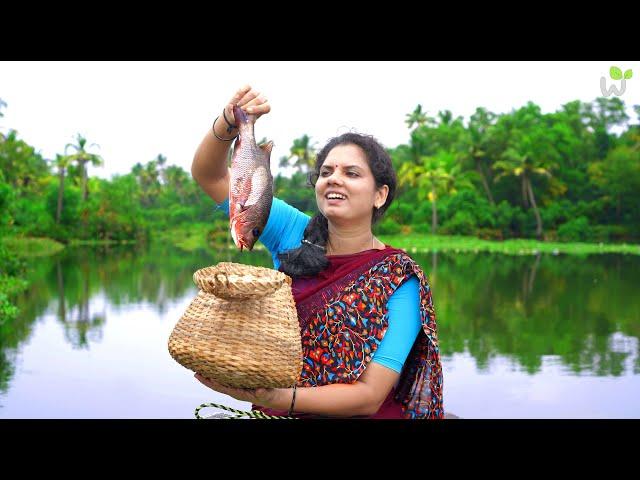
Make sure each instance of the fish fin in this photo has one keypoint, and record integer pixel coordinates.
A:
(267, 147)
(259, 181)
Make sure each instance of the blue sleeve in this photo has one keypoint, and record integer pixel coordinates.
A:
(404, 325)
(284, 229)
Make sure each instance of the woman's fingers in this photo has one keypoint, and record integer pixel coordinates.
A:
(240, 94)
(249, 96)
(259, 106)
(235, 100)
(250, 100)
(261, 109)
(256, 101)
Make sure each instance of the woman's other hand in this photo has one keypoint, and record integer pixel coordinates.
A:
(265, 397)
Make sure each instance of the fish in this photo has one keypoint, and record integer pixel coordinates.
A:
(250, 183)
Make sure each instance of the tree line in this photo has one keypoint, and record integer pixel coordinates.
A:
(573, 174)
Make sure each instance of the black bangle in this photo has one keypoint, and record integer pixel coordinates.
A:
(231, 125)
(293, 400)
(213, 128)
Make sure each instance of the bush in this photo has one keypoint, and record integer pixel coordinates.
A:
(462, 223)
(180, 214)
(508, 218)
(8, 311)
(401, 212)
(472, 203)
(422, 215)
(31, 217)
(489, 233)
(422, 227)
(387, 226)
(557, 213)
(610, 233)
(70, 204)
(10, 264)
(575, 230)
(6, 198)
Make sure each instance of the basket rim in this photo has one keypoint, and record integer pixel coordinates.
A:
(230, 279)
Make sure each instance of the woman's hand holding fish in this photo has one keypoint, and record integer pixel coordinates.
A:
(250, 100)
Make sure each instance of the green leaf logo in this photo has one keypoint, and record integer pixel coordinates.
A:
(615, 73)
(628, 74)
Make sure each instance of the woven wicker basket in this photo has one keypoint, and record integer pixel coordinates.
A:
(241, 329)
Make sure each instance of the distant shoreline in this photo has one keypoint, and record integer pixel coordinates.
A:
(412, 243)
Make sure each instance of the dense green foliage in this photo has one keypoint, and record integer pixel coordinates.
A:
(569, 175)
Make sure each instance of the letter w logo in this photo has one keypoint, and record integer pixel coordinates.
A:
(613, 89)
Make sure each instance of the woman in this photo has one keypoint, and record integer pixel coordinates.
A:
(367, 321)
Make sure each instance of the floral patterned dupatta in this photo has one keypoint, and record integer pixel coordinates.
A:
(343, 318)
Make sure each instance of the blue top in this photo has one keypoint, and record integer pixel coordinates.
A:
(284, 231)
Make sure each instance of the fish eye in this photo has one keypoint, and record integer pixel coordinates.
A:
(256, 232)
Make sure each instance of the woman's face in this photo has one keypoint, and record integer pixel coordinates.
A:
(346, 188)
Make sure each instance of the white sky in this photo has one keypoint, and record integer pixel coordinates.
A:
(136, 110)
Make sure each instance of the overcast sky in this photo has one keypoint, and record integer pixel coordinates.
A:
(137, 110)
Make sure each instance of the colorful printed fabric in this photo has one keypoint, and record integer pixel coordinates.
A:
(340, 338)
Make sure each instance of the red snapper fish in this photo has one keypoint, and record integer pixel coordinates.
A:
(251, 184)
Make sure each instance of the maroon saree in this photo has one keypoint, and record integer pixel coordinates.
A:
(343, 318)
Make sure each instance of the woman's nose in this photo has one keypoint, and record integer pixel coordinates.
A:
(334, 178)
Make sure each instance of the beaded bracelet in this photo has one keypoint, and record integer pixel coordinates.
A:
(213, 128)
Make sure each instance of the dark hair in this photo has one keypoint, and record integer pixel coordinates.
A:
(309, 259)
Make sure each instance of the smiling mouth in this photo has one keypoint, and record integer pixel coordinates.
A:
(335, 197)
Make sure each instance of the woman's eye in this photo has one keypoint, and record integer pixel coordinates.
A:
(352, 174)
(324, 173)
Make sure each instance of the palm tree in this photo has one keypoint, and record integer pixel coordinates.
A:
(523, 166)
(177, 180)
(475, 140)
(435, 174)
(304, 153)
(82, 157)
(445, 116)
(62, 162)
(418, 117)
(147, 177)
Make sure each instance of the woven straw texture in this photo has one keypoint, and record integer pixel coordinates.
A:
(241, 329)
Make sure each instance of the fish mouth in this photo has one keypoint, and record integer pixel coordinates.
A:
(239, 240)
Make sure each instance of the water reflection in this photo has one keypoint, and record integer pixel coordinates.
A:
(581, 311)
(80, 325)
(527, 307)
